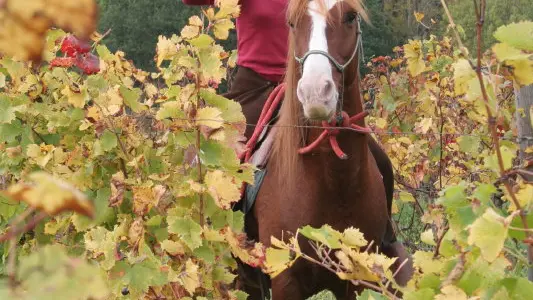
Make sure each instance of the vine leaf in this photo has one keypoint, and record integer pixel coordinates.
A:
(489, 233)
(51, 195)
(222, 188)
(518, 35)
(415, 58)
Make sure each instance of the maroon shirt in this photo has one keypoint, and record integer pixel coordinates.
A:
(262, 34)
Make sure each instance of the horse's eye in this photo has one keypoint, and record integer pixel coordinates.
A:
(350, 17)
(291, 24)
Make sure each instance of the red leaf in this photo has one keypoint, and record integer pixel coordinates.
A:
(89, 63)
(72, 46)
(62, 62)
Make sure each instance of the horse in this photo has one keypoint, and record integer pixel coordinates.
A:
(320, 176)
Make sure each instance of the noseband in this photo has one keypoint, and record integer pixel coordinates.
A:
(340, 67)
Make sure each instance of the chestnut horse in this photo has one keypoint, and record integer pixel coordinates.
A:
(336, 181)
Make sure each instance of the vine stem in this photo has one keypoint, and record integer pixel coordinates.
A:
(198, 149)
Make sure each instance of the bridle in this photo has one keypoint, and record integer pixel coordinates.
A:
(340, 67)
(341, 117)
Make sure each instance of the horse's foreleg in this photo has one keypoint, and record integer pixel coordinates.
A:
(386, 170)
(397, 249)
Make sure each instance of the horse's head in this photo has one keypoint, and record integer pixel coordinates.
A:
(326, 39)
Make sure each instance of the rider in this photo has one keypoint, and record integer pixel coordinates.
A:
(262, 45)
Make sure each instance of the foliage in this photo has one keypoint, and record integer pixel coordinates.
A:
(135, 173)
(499, 13)
(146, 20)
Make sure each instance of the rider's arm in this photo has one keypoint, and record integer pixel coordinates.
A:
(199, 2)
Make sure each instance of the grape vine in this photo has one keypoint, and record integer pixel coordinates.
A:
(117, 183)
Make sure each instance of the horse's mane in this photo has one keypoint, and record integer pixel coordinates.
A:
(290, 133)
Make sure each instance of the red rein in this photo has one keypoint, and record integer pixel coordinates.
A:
(330, 131)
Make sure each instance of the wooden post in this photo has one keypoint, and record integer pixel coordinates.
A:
(524, 102)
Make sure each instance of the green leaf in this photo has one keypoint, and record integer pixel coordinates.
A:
(7, 112)
(49, 274)
(454, 197)
(2, 80)
(202, 41)
(469, 144)
(488, 233)
(508, 156)
(518, 35)
(325, 235)
(323, 295)
(371, 295)
(170, 109)
(206, 253)
(108, 141)
(9, 132)
(516, 289)
(188, 230)
(131, 99)
(421, 294)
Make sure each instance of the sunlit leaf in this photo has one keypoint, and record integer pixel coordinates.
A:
(51, 195)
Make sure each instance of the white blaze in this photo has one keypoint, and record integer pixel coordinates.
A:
(317, 63)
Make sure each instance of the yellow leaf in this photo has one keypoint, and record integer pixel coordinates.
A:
(415, 57)
(144, 198)
(173, 247)
(427, 237)
(241, 248)
(222, 27)
(451, 292)
(524, 195)
(354, 238)
(381, 123)
(462, 75)
(77, 99)
(195, 21)
(188, 32)
(419, 16)
(228, 8)
(406, 197)
(426, 263)
(191, 277)
(165, 49)
(51, 195)
(424, 125)
(277, 261)
(224, 189)
(2, 80)
(40, 154)
(210, 117)
(488, 233)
